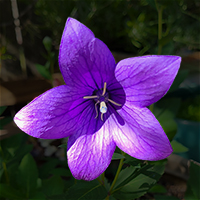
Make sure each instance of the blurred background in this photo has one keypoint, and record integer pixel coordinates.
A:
(30, 34)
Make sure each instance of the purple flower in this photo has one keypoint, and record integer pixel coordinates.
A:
(102, 105)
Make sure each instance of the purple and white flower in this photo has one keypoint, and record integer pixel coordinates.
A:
(103, 104)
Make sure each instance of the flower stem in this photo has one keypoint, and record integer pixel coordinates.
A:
(6, 172)
(159, 29)
(160, 12)
(116, 176)
(151, 107)
(103, 177)
(5, 168)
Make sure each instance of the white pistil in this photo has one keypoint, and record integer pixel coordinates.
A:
(103, 109)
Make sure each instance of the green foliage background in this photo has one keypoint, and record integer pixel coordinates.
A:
(124, 25)
(129, 26)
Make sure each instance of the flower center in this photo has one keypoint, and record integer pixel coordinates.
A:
(101, 97)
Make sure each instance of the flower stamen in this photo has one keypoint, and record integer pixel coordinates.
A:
(104, 89)
(102, 99)
(96, 109)
(102, 116)
(113, 102)
(90, 97)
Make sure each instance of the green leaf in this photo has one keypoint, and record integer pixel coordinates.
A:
(112, 198)
(137, 181)
(28, 175)
(4, 121)
(83, 190)
(189, 193)
(47, 43)
(132, 161)
(193, 182)
(47, 65)
(13, 161)
(158, 162)
(38, 196)
(14, 148)
(166, 108)
(155, 171)
(151, 3)
(53, 186)
(170, 128)
(117, 156)
(178, 147)
(44, 170)
(39, 183)
(68, 183)
(17, 154)
(165, 40)
(168, 49)
(43, 71)
(9, 192)
(56, 197)
(2, 109)
(11, 172)
(63, 146)
(1, 170)
(61, 172)
(14, 141)
(107, 184)
(134, 189)
(22, 151)
(124, 175)
(181, 76)
(163, 197)
(128, 174)
(158, 189)
(165, 111)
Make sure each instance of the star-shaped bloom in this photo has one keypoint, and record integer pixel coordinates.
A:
(103, 104)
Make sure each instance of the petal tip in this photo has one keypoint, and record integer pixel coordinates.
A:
(70, 19)
(19, 122)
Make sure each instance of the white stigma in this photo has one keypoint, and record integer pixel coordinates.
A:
(103, 107)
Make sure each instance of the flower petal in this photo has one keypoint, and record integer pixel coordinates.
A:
(141, 136)
(55, 114)
(146, 79)
(90, 154)
(84, 60)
